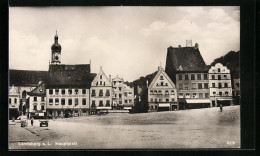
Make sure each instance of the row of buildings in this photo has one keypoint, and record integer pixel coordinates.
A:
(66, 90)
(73, 90)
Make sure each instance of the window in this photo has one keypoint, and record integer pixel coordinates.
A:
(108, 103)
(220, 93)
(206, 95)
(180, 95)
(100, 76)
(186, 77)
(126, 101)
(63, 91)
(180, 86)
(42, 107)
(219, 77)
(120, 102)
(114, 82)
(155, 91)
(159, 91)
(200, 85)
(151, 91)
(219, 85)
(199, 76)
(155, 100)
(107, 92)
(180, 77)
(193, 85)
(167, 100)
(84, 102)
(34, 107)
(10, 100)
(130, 101)
(186, 86)
(56, 101)
(76, 91)
(213, 85)
(50, 91)
(173, 100)
(172, 91)
(34, 98)
(194, 95)
(101, 92)
(226, 93)
(100, 83)
(151, 106)
(83, 91)
(62, 101)
(15, 101)
(205, 76)
(70, 91)
(237, 84)
(151, 99)
(161, 83)
(119, 88)
(214, 93)
(125, 94)
(70, 101)
(225, 76)
(226, 85)
(50, 101)
(200, 95)
(166, 92)
(93, 104)
(93, 93)
(101, 103)
(155, 106)
(213, 77)
(192, 77)
(76, 101)
(160, 100)
(104, 83)
(97, 84)
(166, 84)
(161, 77)
(187, 95)
(218, 69)
(120, 95)
(206, 85)
(56, 91)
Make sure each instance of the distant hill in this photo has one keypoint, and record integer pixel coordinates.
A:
(231, 60)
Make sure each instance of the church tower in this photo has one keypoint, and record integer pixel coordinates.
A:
(56, 51)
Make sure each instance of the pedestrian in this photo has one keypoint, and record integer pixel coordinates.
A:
(220, 107)
(32, 121)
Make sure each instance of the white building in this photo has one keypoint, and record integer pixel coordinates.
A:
(14, 102)
(220, 85)
(101, 92)
(162, 93)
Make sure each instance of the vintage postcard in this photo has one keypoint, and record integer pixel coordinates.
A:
(124, 77)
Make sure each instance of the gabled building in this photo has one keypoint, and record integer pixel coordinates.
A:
(220, 85)
(162, 93)
(14, 102)
(37, 100)
(123, 95)
(101, 92)
(186, 67)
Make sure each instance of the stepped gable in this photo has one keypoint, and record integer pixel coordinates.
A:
(26, 77)
(184, 59)
(70, 76)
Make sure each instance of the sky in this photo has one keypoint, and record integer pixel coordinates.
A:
(127, 41)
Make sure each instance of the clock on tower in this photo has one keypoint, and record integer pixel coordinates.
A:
(56, 51)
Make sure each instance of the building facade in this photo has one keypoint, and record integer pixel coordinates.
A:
(220, 85)
(236, 93)
(193, 90)
(162, 93)
(101, 92)
(122, 94)
(14, 102)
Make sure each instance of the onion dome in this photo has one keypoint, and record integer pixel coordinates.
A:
(56, 46)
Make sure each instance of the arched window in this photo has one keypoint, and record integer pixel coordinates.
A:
(63, 101)
(84, 102)
(15, 101)
(70, 101)
(151, 106)
(56, 101)
(50, 101)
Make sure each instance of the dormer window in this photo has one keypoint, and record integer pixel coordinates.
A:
(161, 77)
(100, 76)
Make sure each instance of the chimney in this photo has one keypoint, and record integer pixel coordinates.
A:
(197, 45)
(179, 46)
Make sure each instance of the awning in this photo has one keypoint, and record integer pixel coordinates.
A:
(164, 105)
(197, 100)
(224, 99)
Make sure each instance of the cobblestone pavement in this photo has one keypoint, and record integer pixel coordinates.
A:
(200, 128)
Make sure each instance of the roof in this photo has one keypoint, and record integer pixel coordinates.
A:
(68, 76)
(184, 59)
(26, 77)
(39, 90)
(161, 71)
